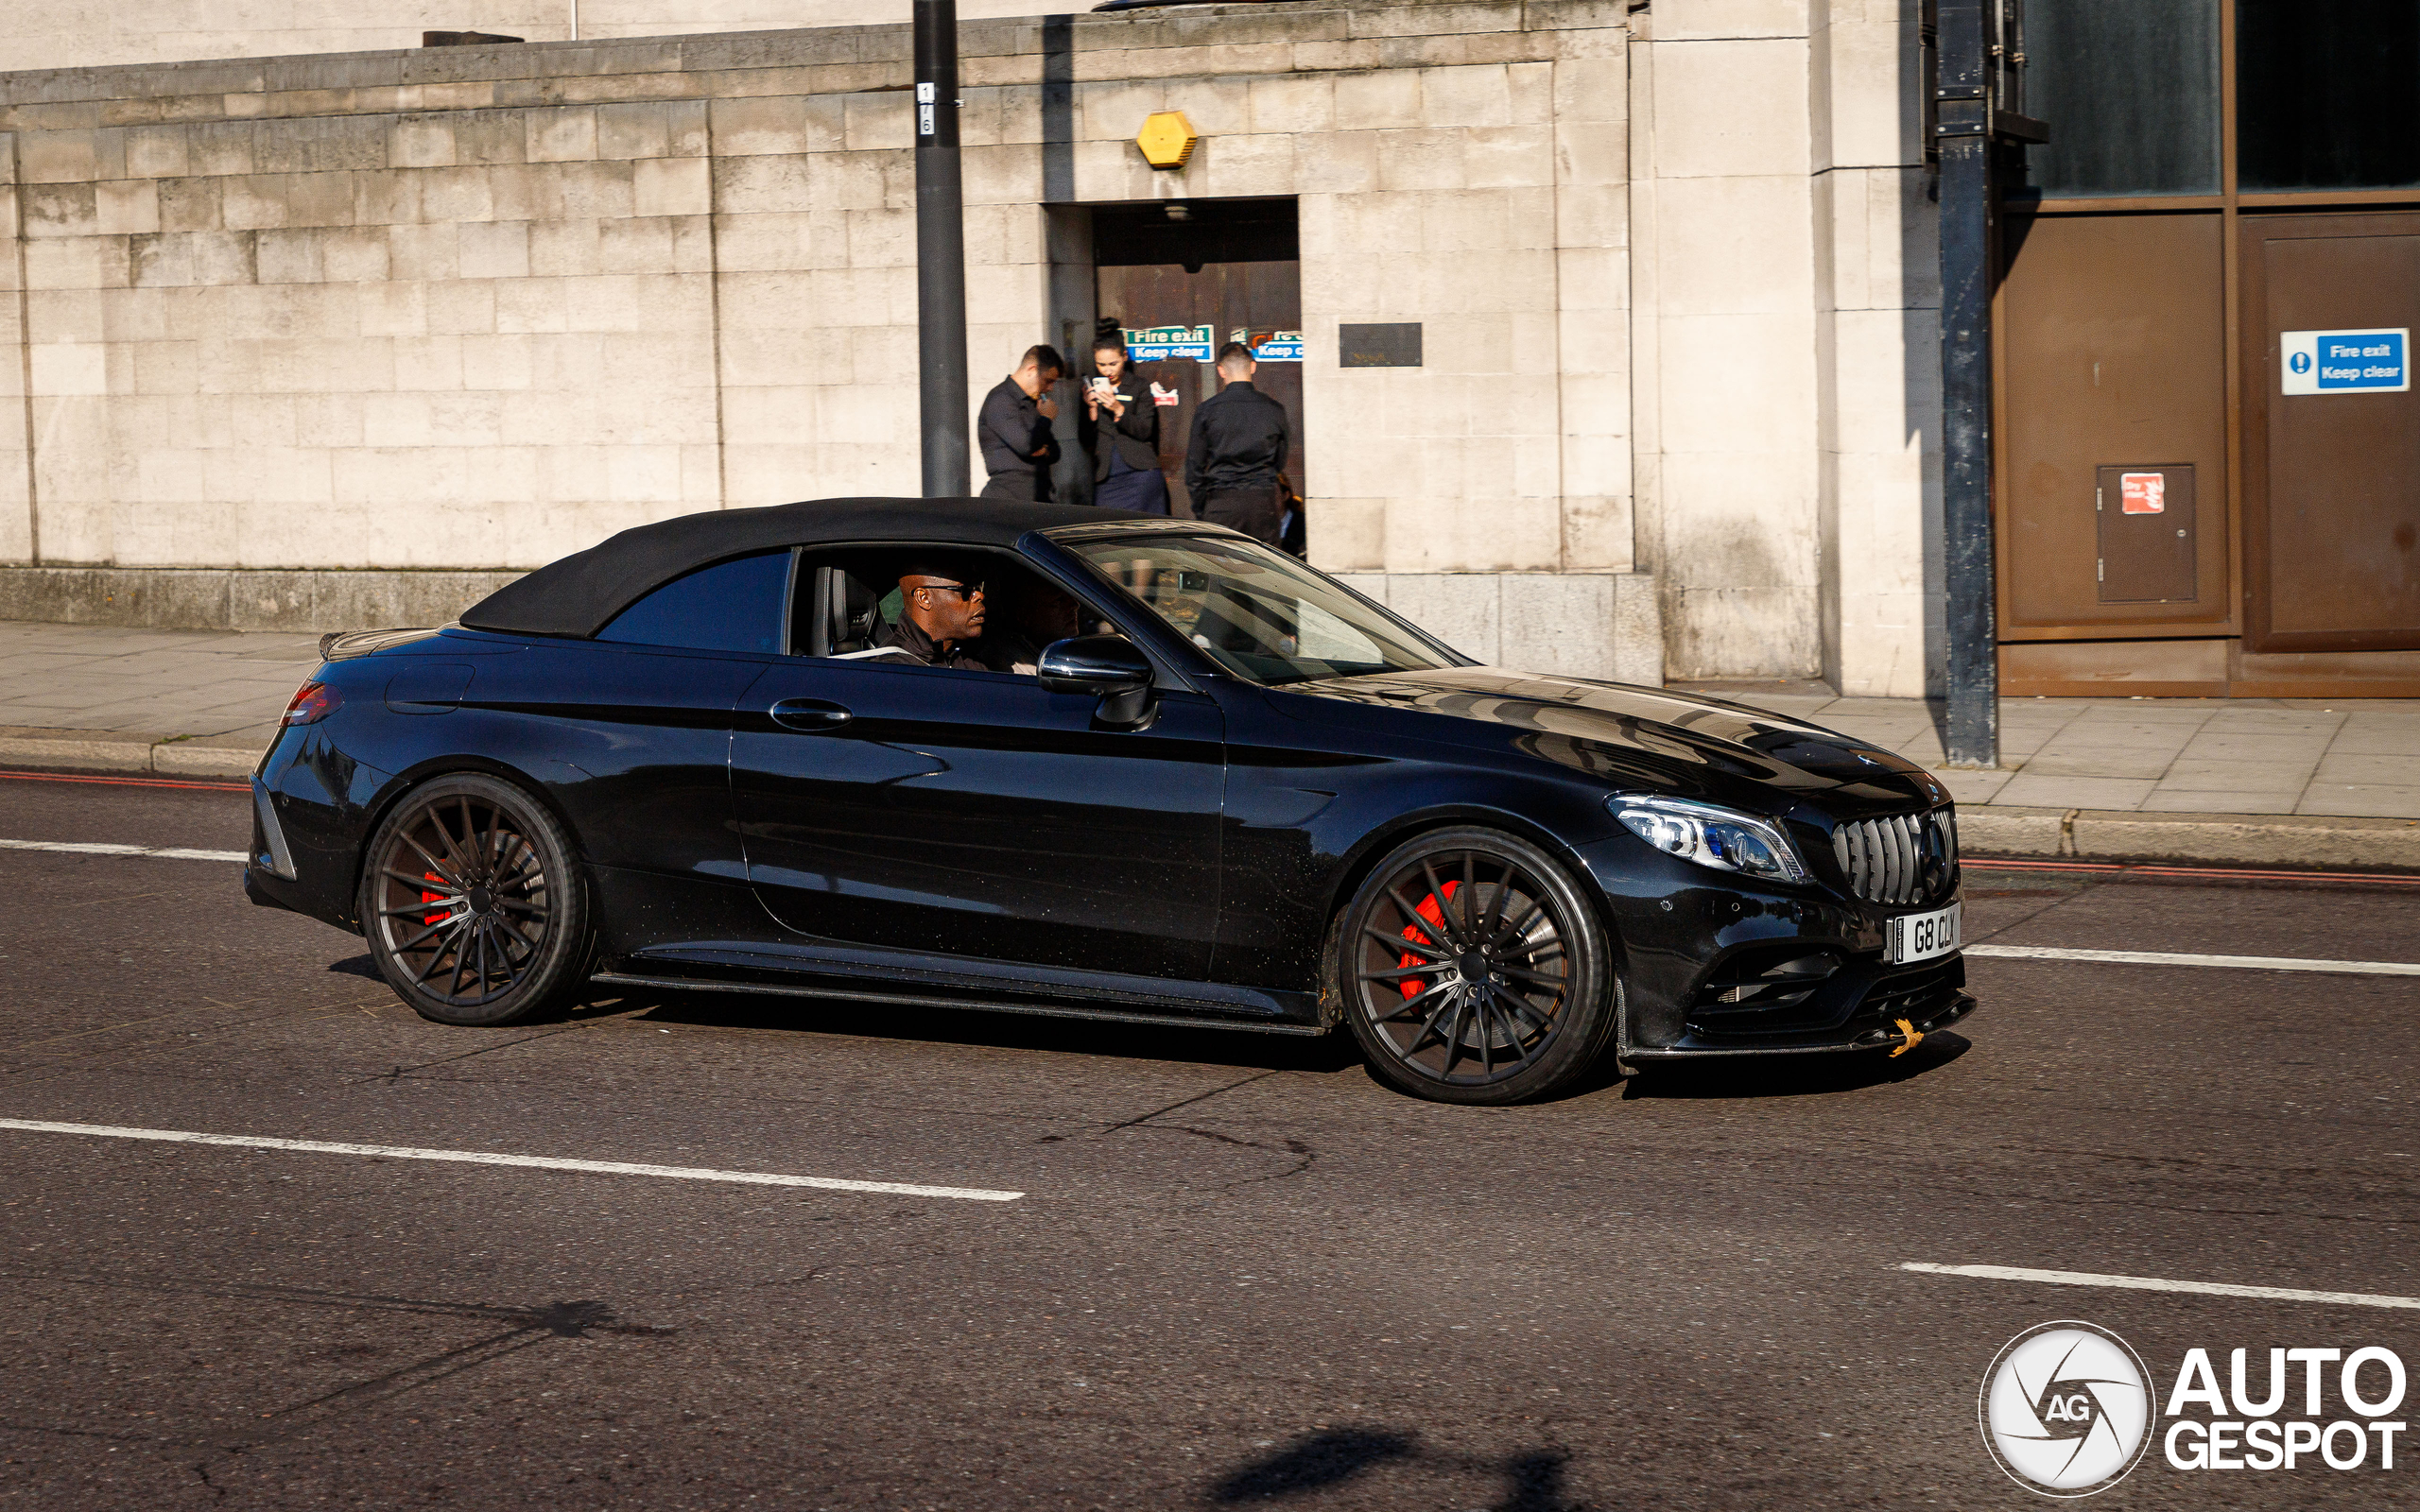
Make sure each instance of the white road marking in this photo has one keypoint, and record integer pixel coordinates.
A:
(691, 1172)
(2152, 1284)
(2240, 963)
(95, 847)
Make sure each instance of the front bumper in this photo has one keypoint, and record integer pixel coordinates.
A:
(1691, 1046)
(1690, 940)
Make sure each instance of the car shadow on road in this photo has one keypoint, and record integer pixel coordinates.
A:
(1796, 1076)
(1532, 1480)
(1209, 1044)
(1214, 1044)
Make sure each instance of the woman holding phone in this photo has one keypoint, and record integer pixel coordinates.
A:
(1121, 430)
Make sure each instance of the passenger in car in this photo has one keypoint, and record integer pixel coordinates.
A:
(941, 613)
(1032, 614)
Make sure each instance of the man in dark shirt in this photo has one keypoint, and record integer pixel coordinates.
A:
(941, 614)
(1237, 451)
(1012, 429)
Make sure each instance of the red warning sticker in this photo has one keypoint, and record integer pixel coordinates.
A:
(2143, 492)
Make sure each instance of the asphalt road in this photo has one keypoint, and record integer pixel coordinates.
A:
(1241, 1273)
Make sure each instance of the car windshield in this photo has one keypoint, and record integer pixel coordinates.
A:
(1259, 613)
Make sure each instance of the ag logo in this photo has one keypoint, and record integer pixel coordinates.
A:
(2066, 1409)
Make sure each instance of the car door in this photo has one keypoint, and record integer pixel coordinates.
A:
(630, 732)
(978, 815)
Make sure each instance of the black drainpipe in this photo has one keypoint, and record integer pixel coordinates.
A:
(1977, 53)
(941, 256)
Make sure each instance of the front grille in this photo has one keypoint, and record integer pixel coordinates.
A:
(1907, 858)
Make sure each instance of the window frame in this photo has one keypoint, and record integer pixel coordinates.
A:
(1167, 674)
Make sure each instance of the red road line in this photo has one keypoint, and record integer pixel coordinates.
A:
(2218, 874)
(127, 781)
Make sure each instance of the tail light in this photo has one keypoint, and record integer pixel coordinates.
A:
(312, 702)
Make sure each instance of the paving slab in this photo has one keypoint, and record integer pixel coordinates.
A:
(2030, 791)
(2236, 776)
(2194, 776)
(2361, 798)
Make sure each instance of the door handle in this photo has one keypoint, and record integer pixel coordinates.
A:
(811, 714)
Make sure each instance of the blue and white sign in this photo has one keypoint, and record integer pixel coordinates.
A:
(1171, 343)
(2345, 362)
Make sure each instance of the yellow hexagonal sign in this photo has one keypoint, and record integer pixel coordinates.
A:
(1166, 139)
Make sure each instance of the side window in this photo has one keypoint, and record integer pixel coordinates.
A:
(849, 605)
(733, 606)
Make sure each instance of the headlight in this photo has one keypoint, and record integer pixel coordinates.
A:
(1721, 838)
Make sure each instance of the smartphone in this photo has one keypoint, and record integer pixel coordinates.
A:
(1103, 390)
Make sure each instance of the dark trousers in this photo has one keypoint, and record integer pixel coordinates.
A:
(1024, 487)
(1143, 491)
(1251, 511)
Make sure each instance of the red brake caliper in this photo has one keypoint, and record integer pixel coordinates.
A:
(1431, 910)
(428, 897)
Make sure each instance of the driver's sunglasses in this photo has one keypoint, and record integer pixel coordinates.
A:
(961, 590)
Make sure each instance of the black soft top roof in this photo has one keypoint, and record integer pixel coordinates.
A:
(582, 593)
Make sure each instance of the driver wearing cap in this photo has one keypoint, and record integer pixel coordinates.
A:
(941, 614)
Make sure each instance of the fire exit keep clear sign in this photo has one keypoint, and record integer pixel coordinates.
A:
(2345, 362)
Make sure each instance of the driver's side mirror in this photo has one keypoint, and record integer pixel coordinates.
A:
(1110, 667)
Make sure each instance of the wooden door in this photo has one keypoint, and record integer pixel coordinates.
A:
(1255, 298)
(2113, 364)
(2331, 471)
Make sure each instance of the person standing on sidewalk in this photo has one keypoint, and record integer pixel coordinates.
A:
(1237, 451)
(1012, 429)
(1121, 431)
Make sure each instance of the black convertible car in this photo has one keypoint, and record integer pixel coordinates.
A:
(1095, 764)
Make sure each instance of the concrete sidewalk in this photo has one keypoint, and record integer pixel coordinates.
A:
(2332, 757)
(2259, 781)
(2317, 784)
(199, 703)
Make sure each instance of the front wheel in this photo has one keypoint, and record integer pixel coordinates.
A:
(1472, 970)
(471, 905)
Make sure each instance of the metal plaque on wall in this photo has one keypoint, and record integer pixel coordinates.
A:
(1379, 346)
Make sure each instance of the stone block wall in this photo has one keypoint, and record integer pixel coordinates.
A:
(466, 310)
(407, 339)
(1588, 625)
(1786, 332)
(47, 34)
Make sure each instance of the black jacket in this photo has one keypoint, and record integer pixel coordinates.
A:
(909, 637)
(1136, 436)
(1009, 430)
(1239, 440)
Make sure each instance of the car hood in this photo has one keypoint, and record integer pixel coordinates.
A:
(1663, 741)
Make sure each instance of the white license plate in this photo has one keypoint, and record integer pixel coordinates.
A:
(1922, 936)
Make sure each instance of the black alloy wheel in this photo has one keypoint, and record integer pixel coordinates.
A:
(472, 907)
(1472, 970)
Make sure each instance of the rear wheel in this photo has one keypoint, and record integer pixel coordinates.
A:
(1472, 970)
(472, 907)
